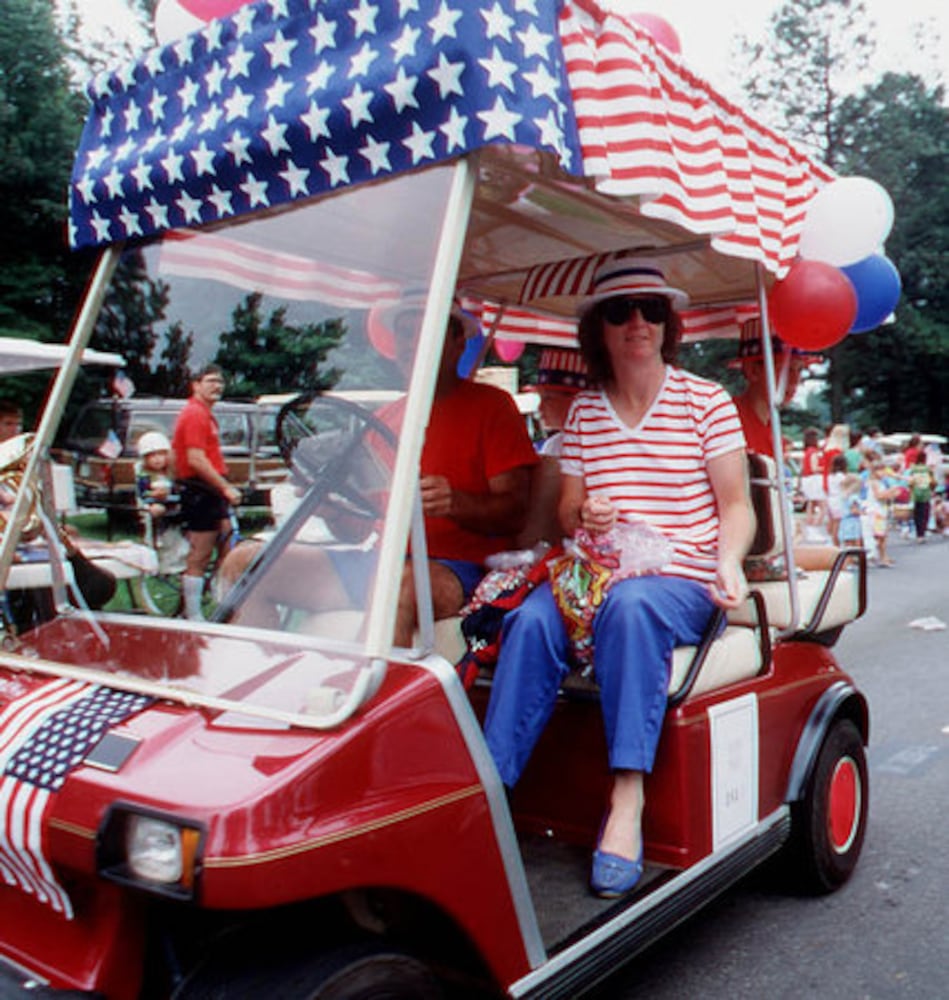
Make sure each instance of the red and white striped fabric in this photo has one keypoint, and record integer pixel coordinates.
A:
(691, 421)
(648, 127)
(256, 269)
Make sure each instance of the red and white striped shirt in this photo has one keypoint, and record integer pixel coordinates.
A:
(657, 472)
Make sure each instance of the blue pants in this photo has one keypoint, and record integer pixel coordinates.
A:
(635, 631)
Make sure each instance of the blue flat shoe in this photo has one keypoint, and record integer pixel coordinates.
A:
(613, 876)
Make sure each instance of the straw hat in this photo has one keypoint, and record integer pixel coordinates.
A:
(382, 321)
(624, 275)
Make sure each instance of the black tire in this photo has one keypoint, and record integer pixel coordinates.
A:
(355, 972)
(829, 823)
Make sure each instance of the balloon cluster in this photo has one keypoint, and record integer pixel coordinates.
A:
(842, 283)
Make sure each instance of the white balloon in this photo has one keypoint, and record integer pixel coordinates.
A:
(846, 221)
(172, 21)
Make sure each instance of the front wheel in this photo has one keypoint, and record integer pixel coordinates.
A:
(357, 972)
(829, 822)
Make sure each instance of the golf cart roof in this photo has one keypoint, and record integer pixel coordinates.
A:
(591, 138)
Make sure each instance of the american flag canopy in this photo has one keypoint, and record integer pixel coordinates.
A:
(290, 98)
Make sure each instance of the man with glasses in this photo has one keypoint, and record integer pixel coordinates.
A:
(206, 495)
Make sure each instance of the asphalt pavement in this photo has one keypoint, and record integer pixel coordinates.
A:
(885, 935)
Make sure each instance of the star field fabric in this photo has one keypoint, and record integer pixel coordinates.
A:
(43, 736)
(288, 98)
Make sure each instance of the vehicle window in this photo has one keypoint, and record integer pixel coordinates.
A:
(234, 429)
(91, 428)
(144, 422)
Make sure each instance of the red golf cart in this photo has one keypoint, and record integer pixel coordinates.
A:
(277, 801)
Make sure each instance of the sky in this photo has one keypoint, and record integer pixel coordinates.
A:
(706, 29)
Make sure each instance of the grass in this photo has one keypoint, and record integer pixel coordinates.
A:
(94, 524)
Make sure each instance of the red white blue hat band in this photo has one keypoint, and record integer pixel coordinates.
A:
(631, 276)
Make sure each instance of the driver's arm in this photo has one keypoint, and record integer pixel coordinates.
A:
(502, 510)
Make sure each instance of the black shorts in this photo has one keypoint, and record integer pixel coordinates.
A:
(202, 507)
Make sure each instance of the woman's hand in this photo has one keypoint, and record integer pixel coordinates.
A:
(730, 587)
(597, 515)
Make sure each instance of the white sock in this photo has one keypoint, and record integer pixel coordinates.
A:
(192, 587)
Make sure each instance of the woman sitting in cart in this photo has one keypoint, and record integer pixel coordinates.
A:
(654, 452)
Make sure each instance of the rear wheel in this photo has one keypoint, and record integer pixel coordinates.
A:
(830, 820)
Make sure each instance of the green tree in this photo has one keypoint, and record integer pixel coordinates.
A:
(110, 46)
(797, 78)
(798, 82)
(40, 121)
(272, 355)
(130, 318)
(173, 374)
(897, 377)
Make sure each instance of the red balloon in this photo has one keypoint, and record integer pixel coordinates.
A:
(660, 29)
(814, 306)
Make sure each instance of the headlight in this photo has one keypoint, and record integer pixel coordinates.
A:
(150, 850)
(153, 848)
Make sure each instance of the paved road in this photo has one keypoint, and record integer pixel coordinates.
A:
(884, 936)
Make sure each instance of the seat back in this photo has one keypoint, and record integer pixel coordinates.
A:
(769, 528)
(543, 524)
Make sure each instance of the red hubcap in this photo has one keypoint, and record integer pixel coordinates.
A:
(844, 811)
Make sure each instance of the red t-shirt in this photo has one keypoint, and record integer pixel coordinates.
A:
(827, 460)
(473, 435)
(196, 428)
(812, 463)
(757, 433)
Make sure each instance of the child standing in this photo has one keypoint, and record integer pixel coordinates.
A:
(921, 484)
(837, 479)
(850, 532)
(812, 485)
(879, 495)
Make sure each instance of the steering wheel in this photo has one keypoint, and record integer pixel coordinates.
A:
(323, 439)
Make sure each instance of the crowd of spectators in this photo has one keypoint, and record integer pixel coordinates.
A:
(857, 491)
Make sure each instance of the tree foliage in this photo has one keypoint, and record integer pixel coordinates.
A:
(898, 376)
(40, 121)
(129, 321)
(894, 132)
(797, 78)
(260, 354)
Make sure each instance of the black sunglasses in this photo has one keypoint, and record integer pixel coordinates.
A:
(618, 310)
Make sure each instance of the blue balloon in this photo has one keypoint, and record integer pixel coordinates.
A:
(469, 358)
(876, 281)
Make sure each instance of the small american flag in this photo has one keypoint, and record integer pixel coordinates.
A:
(122, 385)
(44, 735)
